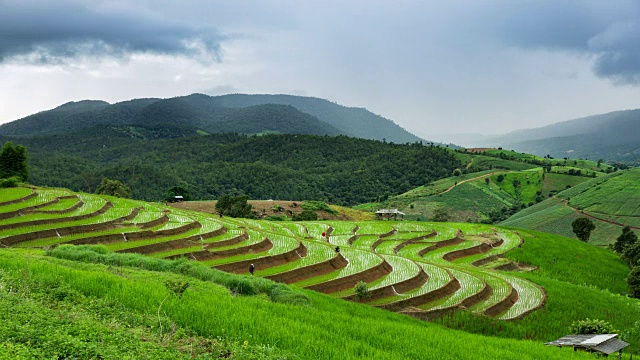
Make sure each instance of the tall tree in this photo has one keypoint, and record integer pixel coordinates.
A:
(114, 188)
(631, 254)
(234, 206)
(628, 237)
(13, 161)
(634, 281)
(582, 227)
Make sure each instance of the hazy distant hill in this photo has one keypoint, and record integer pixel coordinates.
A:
(248, 114)
(357, 122)
(612, 136)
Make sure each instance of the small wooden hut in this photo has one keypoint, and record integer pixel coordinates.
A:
(605, 344)
(389, 213)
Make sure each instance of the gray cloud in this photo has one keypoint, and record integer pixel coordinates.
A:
(55, 32)
(607, 32)
(618, 49)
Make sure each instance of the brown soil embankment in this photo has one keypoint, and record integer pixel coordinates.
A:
(242, 267)
(503, 305)
(24, 210)
(403, 286)
(412, 241)
(485, 261)
(155, 222)
(187, 242)
(100, 211)
(73, 207)
(474, 250)
(347, 282)
(43, 234)
(440, 244)
(541, 305)
(448, 289)
(429, 315)
(204, 255)
(24, 198)
(134, 235)
(303, 273)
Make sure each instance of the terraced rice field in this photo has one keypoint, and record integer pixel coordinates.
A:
(427, 267)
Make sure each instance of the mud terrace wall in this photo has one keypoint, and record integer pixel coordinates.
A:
(100, 211)
(186, 242)
(325, 267)
(371, 274)
(266, 262)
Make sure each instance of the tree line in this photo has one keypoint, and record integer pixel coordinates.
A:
(340, 170)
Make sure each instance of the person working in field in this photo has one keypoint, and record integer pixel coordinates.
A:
(252, 269)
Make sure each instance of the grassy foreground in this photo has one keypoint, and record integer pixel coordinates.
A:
(83, 310)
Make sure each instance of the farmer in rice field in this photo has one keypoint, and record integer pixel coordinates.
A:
(337, 249)
(252, 269)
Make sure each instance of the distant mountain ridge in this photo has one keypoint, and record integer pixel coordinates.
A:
(613, 136)
(247, 114)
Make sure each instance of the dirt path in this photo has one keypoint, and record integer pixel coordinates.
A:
(566, 203)
(470, 163)
(464, 181)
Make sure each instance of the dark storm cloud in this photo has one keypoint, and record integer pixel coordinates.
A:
(54, 32)
(609, 32)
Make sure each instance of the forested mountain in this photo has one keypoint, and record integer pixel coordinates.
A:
(613, 136)
(339, 170)
(248, 114)
(351, 121)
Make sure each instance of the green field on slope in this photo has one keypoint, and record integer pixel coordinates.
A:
(612, 201)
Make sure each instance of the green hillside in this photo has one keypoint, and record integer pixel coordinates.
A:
(474, 277)
(610, 201)
(492, 186)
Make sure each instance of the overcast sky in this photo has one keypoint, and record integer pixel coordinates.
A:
(434, 67)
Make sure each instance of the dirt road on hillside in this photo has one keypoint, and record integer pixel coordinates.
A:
(566, 203)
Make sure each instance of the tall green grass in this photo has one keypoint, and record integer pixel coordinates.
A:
(572, 261)
(245, 285)
(328, 329)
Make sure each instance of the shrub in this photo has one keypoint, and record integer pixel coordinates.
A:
(9, 182)
(313, 205)
(276, 218)
(177, 287)
(589, 326)
(306, 215)
(362, 291)
(440, 215)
